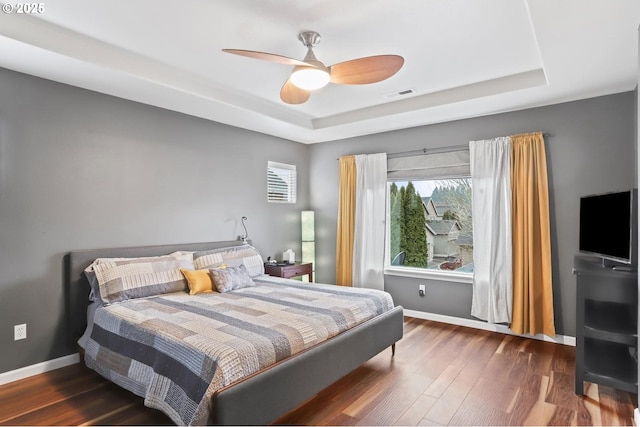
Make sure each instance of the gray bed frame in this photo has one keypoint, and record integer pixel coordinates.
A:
(270, 393)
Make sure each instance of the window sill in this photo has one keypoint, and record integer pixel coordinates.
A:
(422, 273)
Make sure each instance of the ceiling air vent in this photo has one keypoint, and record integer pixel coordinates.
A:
(399, 93)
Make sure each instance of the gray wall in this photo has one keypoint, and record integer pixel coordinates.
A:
(591, 149)
(82, 170)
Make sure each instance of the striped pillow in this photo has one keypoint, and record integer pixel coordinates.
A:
(120, 279)
(233, 256)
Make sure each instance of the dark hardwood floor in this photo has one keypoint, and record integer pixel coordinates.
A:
(441, 375)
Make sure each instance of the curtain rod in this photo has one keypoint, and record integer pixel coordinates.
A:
(435, 150)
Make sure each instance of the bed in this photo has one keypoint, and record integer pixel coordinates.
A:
(276, 382)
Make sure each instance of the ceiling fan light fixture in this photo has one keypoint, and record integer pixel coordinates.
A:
(310, 74)
(310, 78)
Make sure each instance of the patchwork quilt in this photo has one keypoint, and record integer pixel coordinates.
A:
(176, 350)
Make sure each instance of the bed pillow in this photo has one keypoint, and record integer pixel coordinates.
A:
(231, 278)
(94, 294)
(200, 281)
(233, 256)
(120, 279)
(90, 274)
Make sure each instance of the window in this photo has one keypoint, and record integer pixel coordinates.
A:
(430, 227)
(433, 231)
(281, 182)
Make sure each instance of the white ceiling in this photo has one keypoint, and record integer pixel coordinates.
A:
(463, 58)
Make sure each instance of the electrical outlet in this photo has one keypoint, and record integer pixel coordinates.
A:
(20, 332)
(422, 290)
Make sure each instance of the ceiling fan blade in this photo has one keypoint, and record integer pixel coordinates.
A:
(291, 94)
(267, 57)
(371, 69)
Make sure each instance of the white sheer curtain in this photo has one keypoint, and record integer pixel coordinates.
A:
(492, 246)
(369, 231)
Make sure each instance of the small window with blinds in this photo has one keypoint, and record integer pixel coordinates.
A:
(281, 182)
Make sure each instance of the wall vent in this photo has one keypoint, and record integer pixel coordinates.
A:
(399, 93)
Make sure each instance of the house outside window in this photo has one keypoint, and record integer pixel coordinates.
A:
(429, 226)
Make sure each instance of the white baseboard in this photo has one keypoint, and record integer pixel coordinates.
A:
(39, 368)
(477, 324)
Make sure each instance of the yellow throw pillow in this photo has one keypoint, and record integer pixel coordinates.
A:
(200, 281)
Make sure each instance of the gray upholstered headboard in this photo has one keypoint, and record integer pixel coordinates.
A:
(78, 286)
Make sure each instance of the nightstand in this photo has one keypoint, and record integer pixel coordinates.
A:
(290, 270)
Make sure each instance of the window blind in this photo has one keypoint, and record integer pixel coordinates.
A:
(281, 182)
(453, 164)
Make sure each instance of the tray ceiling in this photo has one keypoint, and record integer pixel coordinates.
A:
(462, 59)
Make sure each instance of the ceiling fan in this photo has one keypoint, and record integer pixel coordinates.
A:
(311, 74)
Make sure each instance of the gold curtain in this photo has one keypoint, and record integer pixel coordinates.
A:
(532, 287)
(346, 220)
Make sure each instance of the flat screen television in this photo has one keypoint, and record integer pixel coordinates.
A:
(609, 226)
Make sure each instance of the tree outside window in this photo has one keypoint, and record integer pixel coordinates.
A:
(430, 224)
